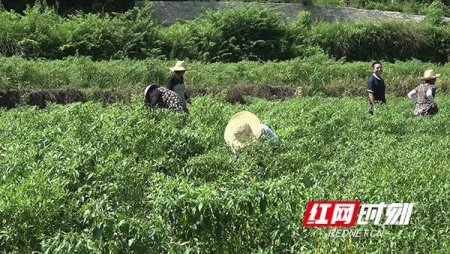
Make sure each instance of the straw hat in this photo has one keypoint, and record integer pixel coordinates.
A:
(243, 127)
(430, 74)
(179, 66)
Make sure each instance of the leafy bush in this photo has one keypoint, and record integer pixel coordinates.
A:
(435, 12)
(40, 32)
(299, 36)
(71, 6)
(121, 179)
(230, 35)
(33, 35)
(384, 41)
(405, 6)
(130, 35)
(221, 35)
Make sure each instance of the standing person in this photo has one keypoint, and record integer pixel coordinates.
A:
(243, 128)
(176, 81)
(423, 95)
(376, 87)
(155, 95)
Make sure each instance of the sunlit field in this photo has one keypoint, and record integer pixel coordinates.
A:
(84, 178)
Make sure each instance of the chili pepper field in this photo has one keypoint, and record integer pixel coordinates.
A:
(84, 178)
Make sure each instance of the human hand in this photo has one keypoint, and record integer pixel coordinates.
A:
(372, 109)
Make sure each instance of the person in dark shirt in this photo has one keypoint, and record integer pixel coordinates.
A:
(176, 81)
(155, 95)
(376, 87)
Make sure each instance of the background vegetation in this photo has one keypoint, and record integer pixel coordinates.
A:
(405, 6)
(315, 74)
(88, 179)
(67, 7)
(217, 37)
(72, 6)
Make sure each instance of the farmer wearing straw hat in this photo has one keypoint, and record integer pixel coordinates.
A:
(376, 87)
(243, 128)
(155, 95)
(423, 95)
(176, 81)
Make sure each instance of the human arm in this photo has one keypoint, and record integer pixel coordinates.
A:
(372, 103)
(430, 95)
(413, 96)
(370, 90)
(171, 82)
(269, 132)
(371, 99)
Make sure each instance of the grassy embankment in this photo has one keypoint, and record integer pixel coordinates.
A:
(316, 74)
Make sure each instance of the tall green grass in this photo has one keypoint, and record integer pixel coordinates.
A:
(317, 74)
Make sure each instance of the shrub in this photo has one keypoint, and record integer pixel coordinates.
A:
(384, 40)
(230, 35)
(221, 35)
(40, 32)
(434, 12)
(130, 35)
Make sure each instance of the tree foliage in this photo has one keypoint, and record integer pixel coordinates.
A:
(70, 6)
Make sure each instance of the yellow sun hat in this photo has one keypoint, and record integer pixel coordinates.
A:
(242, 128)
(430, 74)
(179, 66)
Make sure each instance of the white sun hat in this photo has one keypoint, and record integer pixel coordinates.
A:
(242, 128)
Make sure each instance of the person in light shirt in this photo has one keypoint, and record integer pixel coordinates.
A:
(423, 95)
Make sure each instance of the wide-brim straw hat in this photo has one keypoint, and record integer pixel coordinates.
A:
(430, 74)
(179, 66)
(242, 128)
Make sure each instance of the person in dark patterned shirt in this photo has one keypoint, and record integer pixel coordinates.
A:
(423, 95)
(155, 95)
(376, 87)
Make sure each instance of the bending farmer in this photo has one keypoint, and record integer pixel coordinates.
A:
(243, 128)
